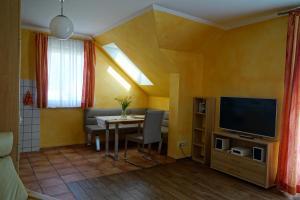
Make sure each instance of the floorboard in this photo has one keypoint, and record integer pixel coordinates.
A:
(184, 179)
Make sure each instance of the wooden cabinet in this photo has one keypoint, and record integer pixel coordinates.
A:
(10, 70)
(244, 167)
(203, 117)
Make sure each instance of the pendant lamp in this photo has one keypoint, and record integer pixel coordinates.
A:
(61, 26)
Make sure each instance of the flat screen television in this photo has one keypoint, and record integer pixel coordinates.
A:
(249, 115)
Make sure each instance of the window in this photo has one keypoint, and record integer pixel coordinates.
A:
(65, 72)
(126, 64)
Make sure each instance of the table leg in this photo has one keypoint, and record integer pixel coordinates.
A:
(139, 128)
(89, 139)
(107, 140)
(139, 131)
(97, 137)
(117, 142)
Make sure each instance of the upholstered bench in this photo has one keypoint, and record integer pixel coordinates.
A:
(91, 127)
(165, 126)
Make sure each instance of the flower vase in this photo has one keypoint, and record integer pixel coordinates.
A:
(124, 114)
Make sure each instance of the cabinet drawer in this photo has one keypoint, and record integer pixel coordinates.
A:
(225, 167)
(242, 162)
(240, 167)
(253, 166)
(259, 179)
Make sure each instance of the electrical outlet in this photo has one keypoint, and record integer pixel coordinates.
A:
(182, 144)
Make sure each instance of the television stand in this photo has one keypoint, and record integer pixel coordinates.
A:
(244, 167)
(247, 136)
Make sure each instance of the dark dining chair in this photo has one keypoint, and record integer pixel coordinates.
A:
(151, 132)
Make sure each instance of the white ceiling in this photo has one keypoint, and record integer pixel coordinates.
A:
(96, 16)
(226, 12)
(89, 16)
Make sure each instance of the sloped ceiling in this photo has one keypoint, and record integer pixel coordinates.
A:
(146, 38)
(178, 33)
(137, 38)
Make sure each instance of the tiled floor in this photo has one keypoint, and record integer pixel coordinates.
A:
(49, 171)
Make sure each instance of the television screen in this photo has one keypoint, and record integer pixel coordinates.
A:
(248, 115)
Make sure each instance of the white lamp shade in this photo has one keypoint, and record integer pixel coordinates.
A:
(61, 27)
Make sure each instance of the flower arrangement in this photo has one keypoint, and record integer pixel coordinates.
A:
(125, 103)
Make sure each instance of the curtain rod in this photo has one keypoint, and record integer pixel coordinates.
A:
(288, 11)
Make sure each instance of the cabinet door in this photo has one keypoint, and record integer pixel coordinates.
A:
(10, 70)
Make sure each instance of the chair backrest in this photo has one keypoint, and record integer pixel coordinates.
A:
(152, 126)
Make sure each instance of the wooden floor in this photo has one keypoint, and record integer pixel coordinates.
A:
(184, 179)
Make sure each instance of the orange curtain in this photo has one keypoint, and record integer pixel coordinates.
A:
(288, 175)
(88, 87)
(42, 69)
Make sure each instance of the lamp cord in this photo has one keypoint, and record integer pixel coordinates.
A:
(62, 7)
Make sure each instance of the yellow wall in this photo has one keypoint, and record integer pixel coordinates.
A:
(65, 126)
(200, 60)
(161, 48)
(107, 88)
(147, 38)
(247, 62)
(183, 86)
(137, 38)
(180, 34)
(174, 120)
(61, 127)
(161, 103)
(28, 60)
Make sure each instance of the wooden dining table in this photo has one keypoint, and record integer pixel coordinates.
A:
(106, 121)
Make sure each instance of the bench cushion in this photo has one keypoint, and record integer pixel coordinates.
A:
(136, 111)
(93, 128)
(90, 114)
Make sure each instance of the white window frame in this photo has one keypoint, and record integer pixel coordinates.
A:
(126, 64)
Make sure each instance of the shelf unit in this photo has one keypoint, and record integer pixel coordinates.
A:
(244, 167)
(203, 118)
